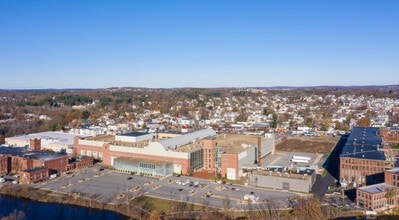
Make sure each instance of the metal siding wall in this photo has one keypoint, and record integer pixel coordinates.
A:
(249, 158)
(276, 182)
(268, 145)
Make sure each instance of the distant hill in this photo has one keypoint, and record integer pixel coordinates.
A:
(367, 87)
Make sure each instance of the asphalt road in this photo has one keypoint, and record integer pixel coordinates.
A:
(114, 187)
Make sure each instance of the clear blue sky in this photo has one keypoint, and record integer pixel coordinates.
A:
(197, 43)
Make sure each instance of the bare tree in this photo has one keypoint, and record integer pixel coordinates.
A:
(226, 203)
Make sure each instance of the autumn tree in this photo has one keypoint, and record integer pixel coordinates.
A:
(242, 117)
(363, 122)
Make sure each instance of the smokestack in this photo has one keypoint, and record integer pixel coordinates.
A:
(259, 151)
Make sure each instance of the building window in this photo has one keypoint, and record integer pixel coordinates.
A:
(147, 165)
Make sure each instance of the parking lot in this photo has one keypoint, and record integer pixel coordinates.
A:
(113, 187)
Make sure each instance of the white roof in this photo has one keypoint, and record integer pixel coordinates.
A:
(175, 142)
(53, 137)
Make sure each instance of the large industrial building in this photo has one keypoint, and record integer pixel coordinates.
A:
(16, 159)
(234, 152)
(381, 196)
(164, 154)
(390, 135)
(286, 178)
(363, 157)
(184, 151)
(54, 141)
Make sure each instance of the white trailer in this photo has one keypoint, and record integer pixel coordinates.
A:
(299, 161)
(301, 158)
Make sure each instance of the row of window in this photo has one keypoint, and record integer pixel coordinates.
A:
(368, 196)
(360, 193)
(147, 165)
(363, 162)
(367, 168)
(94, 154)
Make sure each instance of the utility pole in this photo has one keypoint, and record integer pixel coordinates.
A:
(343, 196)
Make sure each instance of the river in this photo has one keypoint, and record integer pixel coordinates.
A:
(37, 210)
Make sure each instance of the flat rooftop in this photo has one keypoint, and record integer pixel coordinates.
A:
(376, 188)
(54, 137)
(287, 173)
(110, 139)
(394, 170)
(236, 143)
(229, 143)
(133, 134)
(27, 153)
(102, 138)
(283, 158)
(190, 147)
(189, 142)
(364, 143)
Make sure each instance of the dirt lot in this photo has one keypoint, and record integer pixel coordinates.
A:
(321, 145)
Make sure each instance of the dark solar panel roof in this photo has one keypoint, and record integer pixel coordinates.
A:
(364, 136)
(134, 134)
(364, 142)
(13, 151)
(23, 152)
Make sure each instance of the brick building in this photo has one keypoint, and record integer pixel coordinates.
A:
(240, 151)
(19, 159)
(390, 136)
(3, 164)
(34, 175)
(210, 148)
(392, 177)
(51, 141)
(185, 151)
(375, 197)
(229, 166)
(362, 157)
(79, 162)
(35, 144)
(223, 154)
(382, 196)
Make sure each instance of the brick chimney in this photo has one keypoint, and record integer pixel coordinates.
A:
(35, 144)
